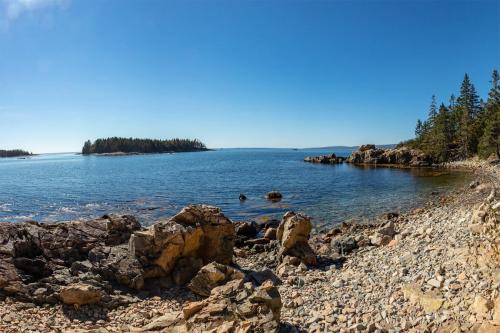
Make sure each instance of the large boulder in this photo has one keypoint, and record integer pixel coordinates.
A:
(198, 231)
(80, 294)
(293, 235)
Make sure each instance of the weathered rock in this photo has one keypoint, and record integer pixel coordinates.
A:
(270, 233)
(384, 235)
(244, 232)
(369, 154)
(480, 305)
(31, 251)
(293, 235)
(430, 301)
(496, 311)
(116, 264)
(171, 322)
(198, 231)
(80, 294)
(343, 246)
(325, 159)
(211, 276)
(236, 306)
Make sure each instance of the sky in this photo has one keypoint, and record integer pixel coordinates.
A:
(235, 73)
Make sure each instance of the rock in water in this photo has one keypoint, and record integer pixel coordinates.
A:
(293, 235)
(325, 159)
(274, 196)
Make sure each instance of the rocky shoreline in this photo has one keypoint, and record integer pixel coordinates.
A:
(371, 155)
(435, 269)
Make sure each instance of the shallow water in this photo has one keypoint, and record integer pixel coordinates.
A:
(68, 186)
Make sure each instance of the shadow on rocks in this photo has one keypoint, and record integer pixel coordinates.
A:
(325, 263)
(92, 313)
(290, 328)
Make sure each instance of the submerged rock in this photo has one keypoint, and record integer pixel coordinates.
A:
(274, 196)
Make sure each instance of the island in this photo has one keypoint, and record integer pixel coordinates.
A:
(14, 153)
(120, 146)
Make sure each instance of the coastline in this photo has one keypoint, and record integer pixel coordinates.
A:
(120, 153)
(434, 274)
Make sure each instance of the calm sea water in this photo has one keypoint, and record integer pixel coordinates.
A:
(68, 186)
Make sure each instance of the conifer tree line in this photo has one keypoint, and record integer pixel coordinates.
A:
(133, 145)
(464, 127)
(13, 153)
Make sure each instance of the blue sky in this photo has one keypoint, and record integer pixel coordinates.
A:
(235, 73)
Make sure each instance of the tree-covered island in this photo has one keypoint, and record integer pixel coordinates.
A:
(14, 153)
(142, 146)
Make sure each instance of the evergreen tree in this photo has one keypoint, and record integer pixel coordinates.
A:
(468, 109)
(441, 135)
(418, 129)
(432, 110)
(489, 142)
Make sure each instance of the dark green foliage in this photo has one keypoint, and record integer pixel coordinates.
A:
(465, 127)
(489, 143)
(13, 153)
(132, 145)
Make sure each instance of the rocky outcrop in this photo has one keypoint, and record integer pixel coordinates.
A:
(44, 257)
(79, 262)
(325, 159)
(293, 235)
(369, 154)
(201, 232)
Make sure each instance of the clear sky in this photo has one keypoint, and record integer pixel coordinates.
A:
(235, 73)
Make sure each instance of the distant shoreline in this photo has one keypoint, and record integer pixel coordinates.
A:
(121, 153)
(15, 153)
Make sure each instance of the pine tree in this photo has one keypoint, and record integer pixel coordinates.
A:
(489, 142)
(441, 135)
(418, 129)
(432, 110)
(468, 109)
